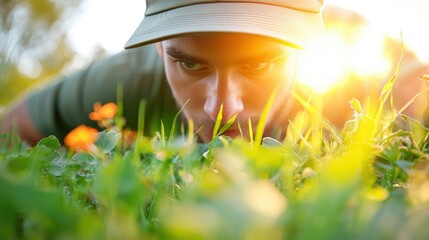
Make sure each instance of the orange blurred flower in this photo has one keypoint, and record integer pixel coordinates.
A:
(81, 138)
(128, 137)
(103, 112)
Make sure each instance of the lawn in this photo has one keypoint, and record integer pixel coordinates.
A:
(368, 180)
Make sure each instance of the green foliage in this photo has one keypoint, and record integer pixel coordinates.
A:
(367, 181)
(33, 43)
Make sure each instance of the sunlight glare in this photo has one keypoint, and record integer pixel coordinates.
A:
(322, 64)
(368, 58)
(332, 60)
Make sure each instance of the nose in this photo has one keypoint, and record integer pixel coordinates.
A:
(225, 91)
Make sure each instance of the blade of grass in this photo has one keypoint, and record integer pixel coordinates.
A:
(190, 131)
(173, 126)
(385, 93)
(250, 131)
(263, 119)
(162, 137)
(306, 143)
(411, 101)
(239, 129)
(312, 110)
(227, 125)
(141, 119)
(387, 88)
(386, 126)
(217, 122)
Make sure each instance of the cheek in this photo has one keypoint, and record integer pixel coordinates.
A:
(191, 92)
(257, 94)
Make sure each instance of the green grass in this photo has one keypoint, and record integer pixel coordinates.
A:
(368, 180)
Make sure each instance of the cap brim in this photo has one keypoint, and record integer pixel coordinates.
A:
(290, 26)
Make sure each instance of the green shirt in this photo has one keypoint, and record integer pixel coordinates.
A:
(66, 103)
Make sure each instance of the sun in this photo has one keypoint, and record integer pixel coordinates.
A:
(320, 65)
(336, 57)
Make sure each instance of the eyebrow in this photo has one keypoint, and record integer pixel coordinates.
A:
(266, 56)
(271, 55)
(177, 54)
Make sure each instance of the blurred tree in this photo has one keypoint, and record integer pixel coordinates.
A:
(33, 42)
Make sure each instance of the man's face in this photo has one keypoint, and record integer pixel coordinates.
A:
(239, 72)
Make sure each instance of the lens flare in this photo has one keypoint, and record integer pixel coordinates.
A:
(335, 59)
(321, 65)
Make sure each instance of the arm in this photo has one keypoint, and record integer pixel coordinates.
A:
(61, 106)
(17, 115)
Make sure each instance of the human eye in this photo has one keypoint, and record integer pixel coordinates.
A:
(257, 68)
(192, 66)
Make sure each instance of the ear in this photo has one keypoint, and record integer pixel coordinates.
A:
(159, 49)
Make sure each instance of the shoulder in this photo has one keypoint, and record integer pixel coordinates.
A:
(129, 66)
(142, 58)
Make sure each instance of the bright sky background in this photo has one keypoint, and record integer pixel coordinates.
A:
(409, 16)
(109, 23)
(105, 23)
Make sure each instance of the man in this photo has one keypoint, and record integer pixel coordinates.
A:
(231, 54)
(196, 55)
